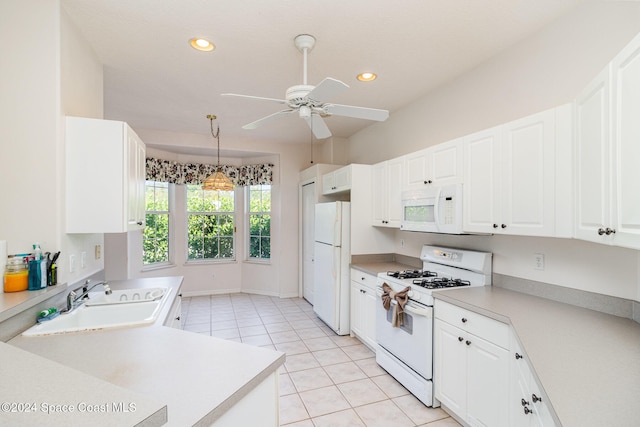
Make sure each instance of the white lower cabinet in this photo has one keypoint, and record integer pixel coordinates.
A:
(363, 307)
(174, 318)
(527, 406)
(471, 369)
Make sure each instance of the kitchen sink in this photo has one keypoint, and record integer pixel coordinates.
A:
(104, 316)
(126, 296)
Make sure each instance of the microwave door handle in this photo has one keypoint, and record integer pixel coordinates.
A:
(436, 212)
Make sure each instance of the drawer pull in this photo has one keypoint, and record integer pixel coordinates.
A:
(468, 342)
(518, 356)
(524, 402)
(527, 411)
(460, 339)
(464, 320)
(535, 398)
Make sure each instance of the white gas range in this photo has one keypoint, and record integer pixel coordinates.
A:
(406, 352)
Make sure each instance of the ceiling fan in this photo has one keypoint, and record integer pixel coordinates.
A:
(310, 101)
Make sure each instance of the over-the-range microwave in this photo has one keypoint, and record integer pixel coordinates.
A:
(433, 210)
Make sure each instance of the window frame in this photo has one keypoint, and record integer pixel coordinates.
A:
(247, 223)
(187, 216)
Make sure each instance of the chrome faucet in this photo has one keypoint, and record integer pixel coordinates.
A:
(74, 300)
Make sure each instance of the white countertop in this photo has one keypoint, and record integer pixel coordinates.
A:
(587, 362)
(198, 377)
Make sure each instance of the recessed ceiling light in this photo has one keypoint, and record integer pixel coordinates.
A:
(366, 77)
(202, 44)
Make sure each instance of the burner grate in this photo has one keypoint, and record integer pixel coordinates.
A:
(441, 283)
(411, 274)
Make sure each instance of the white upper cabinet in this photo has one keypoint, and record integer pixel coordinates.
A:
(386, 193)
(511, 181)
(608, 153)
(105, 175)
(337, 181)
(437, 165)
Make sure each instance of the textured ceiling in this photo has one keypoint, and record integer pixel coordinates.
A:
(153, 79)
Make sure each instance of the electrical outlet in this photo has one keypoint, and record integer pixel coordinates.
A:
(538, 261)
(72, 263)
(83, 260)
(98, 251)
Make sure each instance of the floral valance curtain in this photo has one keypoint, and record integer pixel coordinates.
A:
(196, 173)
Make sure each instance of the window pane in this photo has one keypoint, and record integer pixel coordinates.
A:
(211, 216)
(259, 221)
(155, 237)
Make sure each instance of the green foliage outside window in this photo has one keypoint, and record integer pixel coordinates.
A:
(210, 224)
(155, 238)
(260, 221)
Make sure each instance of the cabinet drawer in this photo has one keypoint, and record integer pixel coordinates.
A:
(363, 278)
(474, 323)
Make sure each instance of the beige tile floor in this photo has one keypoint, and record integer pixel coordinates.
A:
(327, 380)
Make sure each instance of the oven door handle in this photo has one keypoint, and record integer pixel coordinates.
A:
(418, 311)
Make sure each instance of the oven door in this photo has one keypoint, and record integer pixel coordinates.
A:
(412, 342)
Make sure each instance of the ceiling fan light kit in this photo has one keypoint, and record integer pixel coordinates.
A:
(310, 101)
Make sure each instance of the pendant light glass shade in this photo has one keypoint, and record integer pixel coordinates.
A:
(218, 181)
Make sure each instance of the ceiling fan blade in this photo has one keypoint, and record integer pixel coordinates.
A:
(357, 112)
(267, 119)
(318, 126)
(327, 89)
(279, 101)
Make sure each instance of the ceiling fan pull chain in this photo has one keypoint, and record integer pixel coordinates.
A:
(311, 139)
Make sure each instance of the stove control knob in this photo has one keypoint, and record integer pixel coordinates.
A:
(413, 295)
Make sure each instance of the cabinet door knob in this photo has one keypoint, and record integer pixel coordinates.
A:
(601, 231)
(504, 226)
(460, 339)
(428, 182)
(178, 318)
(467, 342)
(527, 411)
(464, 320)
(535, 398)
(518, 356)
(609, 231)
(180, 294)
(495, 225)
(362, 278)
(524, 402)
(139, 222)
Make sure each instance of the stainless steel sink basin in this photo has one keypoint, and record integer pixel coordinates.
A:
(103, 316)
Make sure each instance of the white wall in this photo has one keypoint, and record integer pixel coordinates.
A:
(47, 70)
(544, 71)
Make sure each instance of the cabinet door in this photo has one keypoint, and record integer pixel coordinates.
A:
(416, 173)
(356, 309)
(394, 192)
(368, 319)
(527, 181)
(626, 147)
(487, 383)
(136, 179)
(481, 176)
(450, 367)
(343, 178)
(379, 190)
(592, 111)
(328, 183)
(445, 163)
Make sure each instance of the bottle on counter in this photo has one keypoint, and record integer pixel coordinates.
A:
(37, 251)
(16, 275)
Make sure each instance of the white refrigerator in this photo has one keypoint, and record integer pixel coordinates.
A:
(332, 256)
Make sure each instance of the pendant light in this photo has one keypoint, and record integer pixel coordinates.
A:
(218, 181)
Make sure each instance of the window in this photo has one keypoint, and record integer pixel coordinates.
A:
(155, 238)
(259, 215)
(210, 224)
